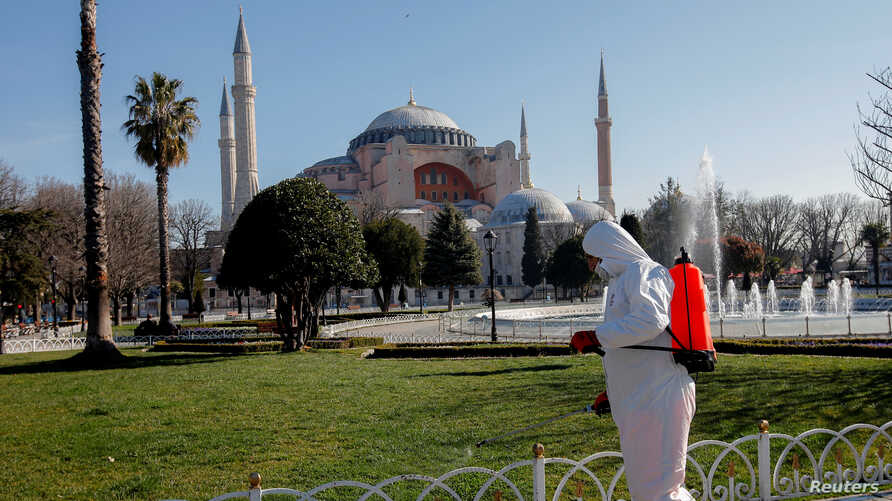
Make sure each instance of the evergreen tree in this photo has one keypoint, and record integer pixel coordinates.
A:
(296, 240)
(450, 256)
(875, 234)
(568, 267)
(398, 249)
(533, 262)
(629, 222)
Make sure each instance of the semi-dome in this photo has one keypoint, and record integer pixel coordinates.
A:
(418, 124)
(586, 213)
(513, 208)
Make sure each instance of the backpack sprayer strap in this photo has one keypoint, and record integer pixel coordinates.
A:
(693, 360)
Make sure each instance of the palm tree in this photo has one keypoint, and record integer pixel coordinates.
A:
(100, 346)
(161, 126)
(876, 234)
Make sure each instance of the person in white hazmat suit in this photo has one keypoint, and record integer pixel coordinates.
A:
(651, 398)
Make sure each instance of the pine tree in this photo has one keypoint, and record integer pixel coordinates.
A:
(450, 256)
(629, 222)
(533, 262)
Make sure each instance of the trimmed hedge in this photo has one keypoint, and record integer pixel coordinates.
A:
(341, 343)
(222, 340)
(475, 350)
(230, 348)
(838, 347)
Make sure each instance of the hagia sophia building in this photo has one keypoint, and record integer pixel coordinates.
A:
(413, 159)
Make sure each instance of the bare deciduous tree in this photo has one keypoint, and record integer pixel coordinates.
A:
(371, 208)
(133, 239)
(821, 225)
(13, 188)
(65, 240)
(189, 221)
(872, 159)
(770, 222)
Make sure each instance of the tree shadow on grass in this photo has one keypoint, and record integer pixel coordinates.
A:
(537, 368)
(76, 363)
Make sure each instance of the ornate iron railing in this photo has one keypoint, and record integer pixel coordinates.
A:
(743, 470)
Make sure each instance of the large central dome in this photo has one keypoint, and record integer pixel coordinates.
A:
(417, 124)
(411, 116)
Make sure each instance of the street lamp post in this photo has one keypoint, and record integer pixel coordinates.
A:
(55, 316)
(83, 272)
(420, 288)
(490, 240)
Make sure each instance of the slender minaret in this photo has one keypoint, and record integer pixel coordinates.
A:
(524, 155)
(243, 93)
(603, 123)
(227, 161)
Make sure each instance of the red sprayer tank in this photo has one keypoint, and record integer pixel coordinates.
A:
(689, 318)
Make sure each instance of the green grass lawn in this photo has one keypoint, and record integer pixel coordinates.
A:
(192, 426)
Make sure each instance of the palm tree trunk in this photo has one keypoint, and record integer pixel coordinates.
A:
(163, 244)
(100, 345)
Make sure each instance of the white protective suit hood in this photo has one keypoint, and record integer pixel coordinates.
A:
(614, 246)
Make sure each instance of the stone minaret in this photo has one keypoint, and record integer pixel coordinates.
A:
(227, 161)
(524, 155)
(243, 93)
(603, 124)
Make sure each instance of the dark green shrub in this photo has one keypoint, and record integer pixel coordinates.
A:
(342, 343)
(231, 348)
(476, 350)
(218, 340)
(837, 347)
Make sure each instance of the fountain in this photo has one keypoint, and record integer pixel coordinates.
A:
(831, 305)
(604, 301)
(806, 297)
(753, 307)
(781, 314)
(846, 296)
(771, 299)
(706, 195)
(731, 291)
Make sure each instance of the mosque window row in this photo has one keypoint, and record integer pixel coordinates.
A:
(444, 197)
(433, 178)
(422, 135)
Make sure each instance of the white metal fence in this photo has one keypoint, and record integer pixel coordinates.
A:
(331, 330)
(8, 346)
(763, 466)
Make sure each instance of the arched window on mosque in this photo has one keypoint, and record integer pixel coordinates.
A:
(454, 180)
(508, 279)
(466, 195)
(445, 195)
(498, 279)
(442, 178)
(423, 196)
(433, 176)
(423, 178)
(433, 195)
(455, 196)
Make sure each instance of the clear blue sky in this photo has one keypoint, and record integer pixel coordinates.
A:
(771, 87)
